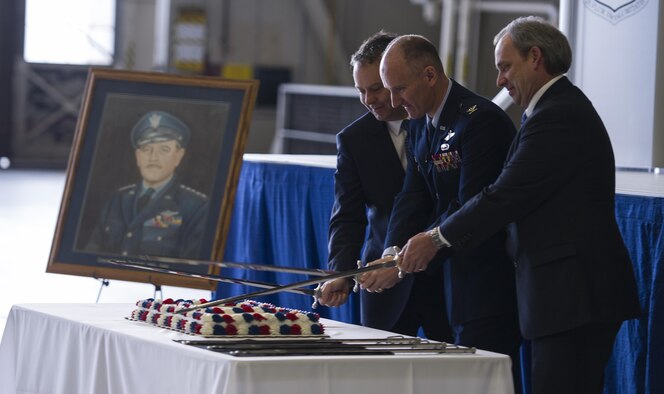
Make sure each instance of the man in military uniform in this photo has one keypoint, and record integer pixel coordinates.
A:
(371, 162)
(159, 215)
(458, 142)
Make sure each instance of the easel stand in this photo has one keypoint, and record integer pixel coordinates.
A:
(104, 282)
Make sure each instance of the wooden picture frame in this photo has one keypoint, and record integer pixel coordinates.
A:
(134, 129)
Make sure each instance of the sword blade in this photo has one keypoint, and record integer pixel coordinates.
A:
(145, 259)
(247, 282)
(321, 348)
(387, 262)
(305, 352)
(295, 346)
(395, 339)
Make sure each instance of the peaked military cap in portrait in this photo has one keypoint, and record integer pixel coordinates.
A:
(159, 126)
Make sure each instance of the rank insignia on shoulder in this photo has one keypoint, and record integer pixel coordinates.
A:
(472, 109)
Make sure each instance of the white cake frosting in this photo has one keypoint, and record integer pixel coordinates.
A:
(245, 318)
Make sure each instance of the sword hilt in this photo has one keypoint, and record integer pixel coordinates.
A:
(317, 293)
(356, 287)
(395, 252)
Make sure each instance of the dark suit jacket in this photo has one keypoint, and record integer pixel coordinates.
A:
(557, 194)
(368, 176)
(466, 153)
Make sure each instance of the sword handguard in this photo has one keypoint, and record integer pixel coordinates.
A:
(356, 288)
(316, 295)
(394, 251)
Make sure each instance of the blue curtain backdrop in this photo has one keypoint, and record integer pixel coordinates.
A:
(281, 216)
(637, 363)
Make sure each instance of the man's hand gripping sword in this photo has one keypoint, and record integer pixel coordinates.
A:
(386, 262)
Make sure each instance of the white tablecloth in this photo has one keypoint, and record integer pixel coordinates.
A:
(92, 348)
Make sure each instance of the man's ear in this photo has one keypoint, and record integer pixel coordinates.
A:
(535, 57)
(430, 74)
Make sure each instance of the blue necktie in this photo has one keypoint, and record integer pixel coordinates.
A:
(401, 145)
(144, 199)
(430, 131)
(524, 117)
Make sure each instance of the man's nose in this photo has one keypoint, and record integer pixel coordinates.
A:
(396, 100)
(370, 98)
(500, 80)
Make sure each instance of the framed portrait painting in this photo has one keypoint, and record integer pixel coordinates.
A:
(152, 175)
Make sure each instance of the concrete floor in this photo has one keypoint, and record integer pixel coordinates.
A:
(29, 207)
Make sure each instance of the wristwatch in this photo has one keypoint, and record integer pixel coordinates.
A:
(436, 238)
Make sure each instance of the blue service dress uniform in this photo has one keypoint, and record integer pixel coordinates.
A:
(369, 175)
(171, 224)
(450, 162)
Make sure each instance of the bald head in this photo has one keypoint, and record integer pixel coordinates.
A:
(411, 69)
(415, 51)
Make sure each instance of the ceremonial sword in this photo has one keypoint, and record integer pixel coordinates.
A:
(386, 262)
(324, 346)
(146, 259)
(237, 281)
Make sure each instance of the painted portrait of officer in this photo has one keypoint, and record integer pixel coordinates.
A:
(158, 215)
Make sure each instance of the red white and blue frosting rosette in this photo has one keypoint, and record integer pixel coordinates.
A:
(247, 318)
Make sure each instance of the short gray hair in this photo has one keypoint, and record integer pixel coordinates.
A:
(531, 31)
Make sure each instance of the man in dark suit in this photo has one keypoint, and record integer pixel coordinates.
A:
(459, 143)
(556, 193)
(159, 215)
(370, 170)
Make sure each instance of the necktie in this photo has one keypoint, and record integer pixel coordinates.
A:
(144, 199)
(430, 131)
(524, 117)
(401, 147)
